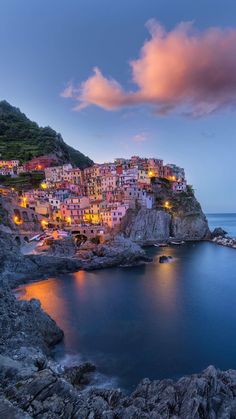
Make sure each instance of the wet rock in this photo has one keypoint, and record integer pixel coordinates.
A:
(218, 232)
(8, 411)
(75, 375)
(120, 251)
(225, 241)
(165, 259)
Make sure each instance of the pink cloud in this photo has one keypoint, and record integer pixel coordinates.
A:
(185, 69)
(140, 137)
(68, 92)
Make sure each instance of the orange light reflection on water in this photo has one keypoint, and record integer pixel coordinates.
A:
(167, 275)
(48, 292)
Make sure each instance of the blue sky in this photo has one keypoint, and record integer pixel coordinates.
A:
(46, 44)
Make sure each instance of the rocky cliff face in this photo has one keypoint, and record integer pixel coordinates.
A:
(188, 221)
(184, 220)
(189, 227)
(147, 225)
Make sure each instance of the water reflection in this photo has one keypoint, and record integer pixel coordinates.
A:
(158, 320)
(49, 294)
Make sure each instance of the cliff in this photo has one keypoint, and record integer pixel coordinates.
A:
(188, 222)
(146, 225)
(183, 220)
(23, 139)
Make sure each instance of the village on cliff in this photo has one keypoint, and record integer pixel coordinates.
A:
(87, 202)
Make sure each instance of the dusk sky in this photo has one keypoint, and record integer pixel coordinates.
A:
(155, 78)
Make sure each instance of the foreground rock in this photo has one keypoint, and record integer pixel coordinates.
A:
(225, 241)
(120, 252)
(32, 385)
(165, 259)
(61, 258)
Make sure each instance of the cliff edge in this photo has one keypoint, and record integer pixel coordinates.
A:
(178, 216)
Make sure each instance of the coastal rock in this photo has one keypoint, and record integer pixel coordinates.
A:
(120, 251)
(146, 226)
(75, 375)
(225, 241)
(31, 386)
(64, 247)
(18, 268)
(188, 220)
(184, 220)
(165, 259)
(11, 259)
(9, 411)
(24, 324)
(190, 227)
(218, 232)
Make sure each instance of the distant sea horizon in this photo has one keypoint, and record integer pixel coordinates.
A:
(226, 220)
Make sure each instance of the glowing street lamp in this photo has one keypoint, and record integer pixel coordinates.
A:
(167, 205)
(24, 202)
(68, 220)
(17, 220)
(44, 223)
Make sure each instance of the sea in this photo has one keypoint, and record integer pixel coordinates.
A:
(157, 320)
(227, 221)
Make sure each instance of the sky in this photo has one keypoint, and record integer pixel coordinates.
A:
(155, 78)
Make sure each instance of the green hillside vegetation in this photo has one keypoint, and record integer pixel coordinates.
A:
(24, 181)
(23, 139)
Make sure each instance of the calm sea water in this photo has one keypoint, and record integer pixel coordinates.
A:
(226, 221)
(159, 320)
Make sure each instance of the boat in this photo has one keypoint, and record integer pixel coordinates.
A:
(156, 245)
(36, 238)
(177, 243)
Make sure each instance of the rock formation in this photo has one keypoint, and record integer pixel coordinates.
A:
(62, 258)
(218, 232)
(146, 225)
(184, 220)
(32, 385)
(225, 241)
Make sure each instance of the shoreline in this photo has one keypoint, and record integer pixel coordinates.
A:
(34, 385)
(59, 265)
(225, 241)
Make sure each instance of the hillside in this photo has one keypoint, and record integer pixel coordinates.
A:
(23, 139)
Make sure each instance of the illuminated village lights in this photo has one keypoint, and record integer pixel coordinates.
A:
(24, 202)
(17, 220)
(44, 223)
(167, 205)
(100, 194)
